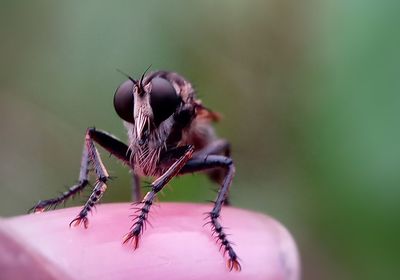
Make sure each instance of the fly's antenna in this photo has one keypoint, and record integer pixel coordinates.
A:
(144, 73)
(140, 82)
(128, 76)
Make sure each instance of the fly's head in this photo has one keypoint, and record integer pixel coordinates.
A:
(146, 104)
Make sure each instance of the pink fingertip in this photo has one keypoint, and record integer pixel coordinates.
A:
(176, 247)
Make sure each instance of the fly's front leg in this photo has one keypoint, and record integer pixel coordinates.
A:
(90, 155)
(148, 200)
(99, 189)
(100, 186)
(123, 153)
(205, 162)
(116, 148)
(47, 204)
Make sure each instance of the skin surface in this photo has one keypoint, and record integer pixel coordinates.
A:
(174, 246)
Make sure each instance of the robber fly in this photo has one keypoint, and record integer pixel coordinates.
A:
(170, 134)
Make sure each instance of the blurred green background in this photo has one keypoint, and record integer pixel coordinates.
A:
(309, 91)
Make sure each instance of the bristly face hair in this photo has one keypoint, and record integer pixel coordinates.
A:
(170, 134)
(150, 119)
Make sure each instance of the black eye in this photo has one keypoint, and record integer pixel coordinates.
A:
(163, 99)
(123, 101)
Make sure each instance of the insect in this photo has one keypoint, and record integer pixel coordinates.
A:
(170, 134)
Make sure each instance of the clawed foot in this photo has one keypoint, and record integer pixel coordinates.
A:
(42, 206)
(80, 220)
(132, 238)
(233, 264)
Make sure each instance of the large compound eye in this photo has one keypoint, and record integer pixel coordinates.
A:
(163, 99)
(123, 101)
